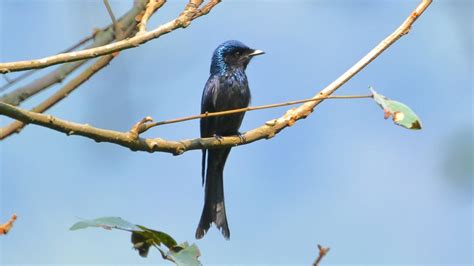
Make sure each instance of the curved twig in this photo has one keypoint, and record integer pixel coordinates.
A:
(190, 13)
(270, 129)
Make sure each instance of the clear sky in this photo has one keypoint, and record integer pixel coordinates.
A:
(345, 177)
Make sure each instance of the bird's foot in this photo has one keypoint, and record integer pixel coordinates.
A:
(242, 137)
(218, 137)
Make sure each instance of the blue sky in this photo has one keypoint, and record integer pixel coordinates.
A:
(345, 177)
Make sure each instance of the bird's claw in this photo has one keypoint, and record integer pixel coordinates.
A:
(218, 137)
(242, 137)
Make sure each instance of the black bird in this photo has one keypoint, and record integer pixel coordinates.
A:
(227, 88)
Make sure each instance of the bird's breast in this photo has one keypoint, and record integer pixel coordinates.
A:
(234, 91)
(236, 81)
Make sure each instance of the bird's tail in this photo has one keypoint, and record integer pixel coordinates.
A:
(214, 206)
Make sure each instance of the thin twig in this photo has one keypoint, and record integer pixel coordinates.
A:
(111, 13)
(5, 228)
(16, 126)
(100, 38)
(322, 252)
(151, 7)
(146, 123)
(29, 73)
(23, 93)
(117, 27)
(15, 80)
(269, 130)
(190, 13)
(206, 8)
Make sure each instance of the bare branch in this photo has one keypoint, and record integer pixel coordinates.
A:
(23, 93)
(151, 7)
(146, 123)
(322, 252)
(6, 227)
(269, 130)
(190, 13)
(15, 127)
(100, 38)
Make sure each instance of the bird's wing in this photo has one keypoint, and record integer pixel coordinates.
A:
(208, 103)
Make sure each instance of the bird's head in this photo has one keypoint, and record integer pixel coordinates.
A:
(232, 55)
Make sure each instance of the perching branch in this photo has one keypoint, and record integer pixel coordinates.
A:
(5, 228)
(268, 130)
(322, 252)
(191, 12)
(147, 122)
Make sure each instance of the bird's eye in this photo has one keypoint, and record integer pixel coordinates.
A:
(237, 53)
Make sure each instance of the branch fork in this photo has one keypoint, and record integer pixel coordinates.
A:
(322, 252)
(140, 126)
(151, 7)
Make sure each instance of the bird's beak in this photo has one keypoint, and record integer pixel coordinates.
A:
(256, 52)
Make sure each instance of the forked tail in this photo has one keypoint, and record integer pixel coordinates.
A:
(214, 205)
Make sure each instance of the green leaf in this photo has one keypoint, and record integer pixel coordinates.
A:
(106, 223)
(402, 115)
(140, 243)
(185, 255)
(144, 238)
(158, 237)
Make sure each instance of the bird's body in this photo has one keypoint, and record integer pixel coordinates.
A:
(227, 88)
